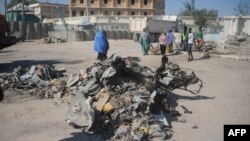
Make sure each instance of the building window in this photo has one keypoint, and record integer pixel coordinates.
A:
(73, 13)
(119, 1)
(145, 2)
(105, 1)
(132, 2)
(73, 1)
(81, 1)
(118, 13)
(92, 12)
(92, 1)
(145, 13)
(132, 13)
(82, 13)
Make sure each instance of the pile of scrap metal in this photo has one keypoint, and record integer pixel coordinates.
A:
(121, 100)
(41, 80)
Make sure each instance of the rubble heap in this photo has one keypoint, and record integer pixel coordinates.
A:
(117, 98)
(41, 80)
(121, 100)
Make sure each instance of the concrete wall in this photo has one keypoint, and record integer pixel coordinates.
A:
(235, 25)
(130, 23)
(245, 23)
(212, 37)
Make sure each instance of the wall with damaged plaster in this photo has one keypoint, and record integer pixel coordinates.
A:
(236, 25)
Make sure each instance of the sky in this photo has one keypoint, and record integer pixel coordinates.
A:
(224, 7)
(173, 7)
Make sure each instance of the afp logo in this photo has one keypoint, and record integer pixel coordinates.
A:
(237, 132)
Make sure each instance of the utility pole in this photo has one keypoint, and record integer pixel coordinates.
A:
(23, 11)
(11, 17)
(87, 9)
(5, 7)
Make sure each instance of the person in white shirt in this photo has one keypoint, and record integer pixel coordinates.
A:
(190, 44)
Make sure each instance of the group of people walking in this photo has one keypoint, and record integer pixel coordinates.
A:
(166, 41)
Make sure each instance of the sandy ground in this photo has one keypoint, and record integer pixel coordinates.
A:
(225, 98)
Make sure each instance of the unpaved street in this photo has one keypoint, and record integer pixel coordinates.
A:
(224, 99)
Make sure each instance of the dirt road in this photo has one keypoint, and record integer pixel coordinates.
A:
(225, 98)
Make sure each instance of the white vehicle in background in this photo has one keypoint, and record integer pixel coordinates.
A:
(155, 25)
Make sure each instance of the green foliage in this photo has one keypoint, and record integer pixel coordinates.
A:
(242, 8)
(200, 15)
(189, 8)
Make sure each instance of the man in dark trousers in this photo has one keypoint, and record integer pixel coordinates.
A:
(190, 44)
(184, 38)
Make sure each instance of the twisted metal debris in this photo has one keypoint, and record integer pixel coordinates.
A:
(117, 99)
(121, 100)
(41, 80)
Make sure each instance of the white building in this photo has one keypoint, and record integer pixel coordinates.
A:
(235, 25)
(49, 10)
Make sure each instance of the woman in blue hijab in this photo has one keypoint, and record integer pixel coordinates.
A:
(101, 45)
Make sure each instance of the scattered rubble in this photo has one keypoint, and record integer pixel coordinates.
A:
(117, 98)
(231, 41)
(234, 41)
(235, 47)
(41, 80)
(195, 126)
(121, 100)
(186, 110)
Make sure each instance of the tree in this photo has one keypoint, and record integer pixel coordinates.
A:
(241, 8)
(189, 8)
(200, 15)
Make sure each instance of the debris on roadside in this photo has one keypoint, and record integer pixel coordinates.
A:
(195, 126)
(117, 98)
(40, 80)
(121, 100)
(186, 110)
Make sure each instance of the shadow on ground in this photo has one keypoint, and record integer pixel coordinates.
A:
(8, 67)
(7, 51)
(80, 136)
(173, 103)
